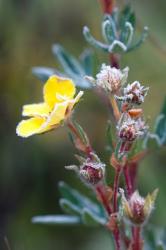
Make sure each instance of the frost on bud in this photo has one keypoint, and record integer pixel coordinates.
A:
(111, 79)
(134, 93)
(130, 129)
(92, 172)
(138, 209)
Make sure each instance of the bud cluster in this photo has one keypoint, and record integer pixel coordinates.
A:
(131, 126)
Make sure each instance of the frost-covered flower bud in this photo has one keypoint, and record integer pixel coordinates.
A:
(134, 93)
(138, 209)
(92, 172)
(110, 78)
(130, 129)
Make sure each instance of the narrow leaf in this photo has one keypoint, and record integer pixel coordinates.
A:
(91, 40)
(43, 73)
(69, 63)
(69, 207)
(91, 219)
(56, 220)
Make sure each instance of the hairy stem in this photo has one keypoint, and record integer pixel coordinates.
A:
(115, 207)
(116, 186)
(115, 60)
(137, 242)
(101, 194)
(108, 6)
(128, 181)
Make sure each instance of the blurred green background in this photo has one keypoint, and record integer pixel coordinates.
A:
(31, 168)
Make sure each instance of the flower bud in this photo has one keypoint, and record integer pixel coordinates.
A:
(134, 93)
(111, 79)
(92, 172)
(138, 209)
(130, 129)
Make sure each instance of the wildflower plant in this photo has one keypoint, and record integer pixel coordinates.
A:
(120, 209)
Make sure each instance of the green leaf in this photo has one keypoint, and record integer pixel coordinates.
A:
(127, 34)
(117, 149)
(71, 137)
(109, 137)
(71, 66)
(69, 63)
(160, 246)
(160, 125)
(81, 201)
(82, 133)
(152, 141)
(109, 29)
(163, 110)
(69, 207)
(87, 59)
(91, 219)
(117, 47)
(43, 73)
(140, 41)
(127, 15)
(91, 40)
(56, 220)
(155, 238)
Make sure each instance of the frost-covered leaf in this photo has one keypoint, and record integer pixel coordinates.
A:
(110, 137)
(81, 202)
(56, 220)
(127, 15)
(69, 63)
(69, 207)
(152, 141)
(91, 219)
(155, 238)
(160, 125)
(87, 60)
(71, 66)
(109, 29)
(43, 73)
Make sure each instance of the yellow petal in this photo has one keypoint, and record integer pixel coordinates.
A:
(40, 109)
(58, 114)
(61, 110)
(31, 126)
(58, 89)
(75, 100)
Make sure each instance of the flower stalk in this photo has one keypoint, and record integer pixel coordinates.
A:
(108, 6)
(115, 108)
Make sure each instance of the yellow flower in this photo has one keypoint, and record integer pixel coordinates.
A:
(59, 100)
